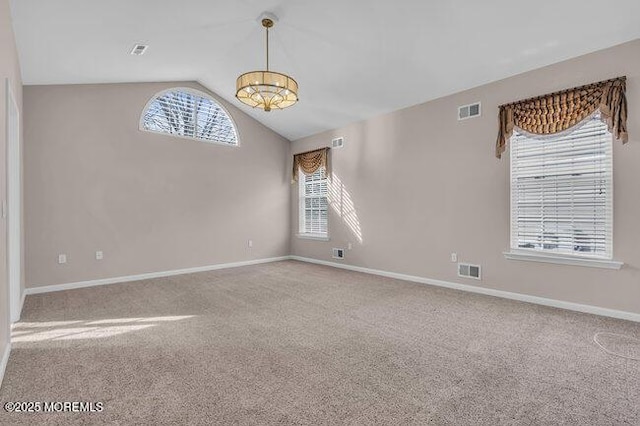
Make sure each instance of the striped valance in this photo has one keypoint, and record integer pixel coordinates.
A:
(562, 110)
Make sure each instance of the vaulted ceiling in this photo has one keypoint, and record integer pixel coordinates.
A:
(353, 59)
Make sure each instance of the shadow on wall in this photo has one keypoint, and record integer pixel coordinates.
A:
(342, 204)
(31, 332)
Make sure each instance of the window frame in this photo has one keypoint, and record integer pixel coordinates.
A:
(194, 92)
(301, 208)
(565, 258)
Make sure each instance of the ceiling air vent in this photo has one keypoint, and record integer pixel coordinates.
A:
(139, 49)
(469, 111)
(337, 142)
(338, 253)
(469, 271)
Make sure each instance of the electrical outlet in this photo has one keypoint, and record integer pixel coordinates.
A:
(250, 243)
(62, 258)
(454, 257)
(349, 246)
(99, 255)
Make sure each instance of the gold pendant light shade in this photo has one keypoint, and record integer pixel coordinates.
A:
(267, 89)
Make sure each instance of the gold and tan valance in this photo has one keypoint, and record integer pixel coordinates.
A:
(309, 162)
(559, 111)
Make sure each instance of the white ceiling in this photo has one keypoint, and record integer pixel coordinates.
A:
(353, 59)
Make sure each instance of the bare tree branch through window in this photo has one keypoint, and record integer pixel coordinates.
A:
(189, 114)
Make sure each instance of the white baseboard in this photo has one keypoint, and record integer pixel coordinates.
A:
(24, 295)
(590, 309)
(149, 275)
(4, 361)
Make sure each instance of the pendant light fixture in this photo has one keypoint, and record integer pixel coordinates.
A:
(267, 89)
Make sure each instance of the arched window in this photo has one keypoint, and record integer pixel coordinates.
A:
(188, 113)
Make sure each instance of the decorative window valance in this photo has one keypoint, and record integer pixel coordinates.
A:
(309, 162)
(559, 111)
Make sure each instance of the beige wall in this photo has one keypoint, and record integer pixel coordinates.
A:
(410, 187)
(9, 69)
(417, 185)
(94, 181)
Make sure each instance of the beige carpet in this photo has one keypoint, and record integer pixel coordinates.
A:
(294, 343)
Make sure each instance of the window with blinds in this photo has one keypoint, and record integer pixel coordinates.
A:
(562, 191)
(189, 114)
(313, 203)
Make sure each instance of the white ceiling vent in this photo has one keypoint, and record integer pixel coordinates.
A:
(469, 271)
(469, 111)
(337, 142)
(338, 253)
(139, 49)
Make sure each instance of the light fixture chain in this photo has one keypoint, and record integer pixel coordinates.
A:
(267, 48)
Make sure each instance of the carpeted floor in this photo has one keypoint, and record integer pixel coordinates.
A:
(294, 343)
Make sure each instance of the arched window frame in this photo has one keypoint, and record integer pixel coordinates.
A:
(194, 92)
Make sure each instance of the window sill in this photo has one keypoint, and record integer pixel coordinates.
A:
(316, 237)
(562, 260)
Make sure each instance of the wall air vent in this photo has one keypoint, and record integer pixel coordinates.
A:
(139, 49)
(338, 253)
(469, 271)
(469, 111)
(337, 142)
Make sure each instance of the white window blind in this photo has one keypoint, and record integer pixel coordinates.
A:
(562, 191)
(313, 203)
(191, 114)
